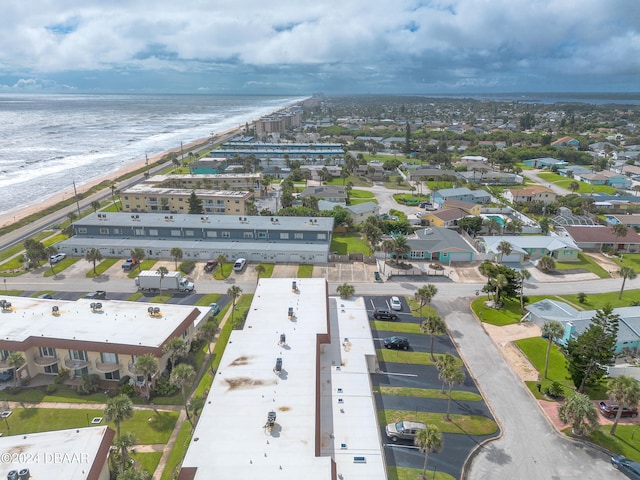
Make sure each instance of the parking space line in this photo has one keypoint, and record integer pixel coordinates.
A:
(400, 374)
(412, 447)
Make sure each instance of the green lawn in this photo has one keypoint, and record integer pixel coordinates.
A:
(147, 461)
(460, 395)
(399, 327)
(414, 358)
(346, 243)
(585, 262)
(178, 451)
(392, 183)
(63, 394)
(361, 196)
(268, 270)
(355, 180)
(509, 314)
(101, 267)
(628, 260)
(144, 265)
(623, 443)
(148, 426)
(404, 473)
(564, 182)
(305, 271)
(461, 424)
(223, 271)
(59, 267)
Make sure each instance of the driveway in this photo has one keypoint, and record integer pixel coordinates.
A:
(532, 175)
(529, 448)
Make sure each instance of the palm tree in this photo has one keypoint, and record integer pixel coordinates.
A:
(443, 363)
(504, 248)
(453, 375)
(138, 255)
(552, 330)
(619, 230)
(434, 326)
(95, 205)
(400, 247)
(428, 440)
(500, 281)
(124, 444)
(387, 248)
(162, 271)
(346, 291)
(113, 196)
(492, 225)
(207, 334)
(176, 348)
(626, 272)
(93, 255)
(523, 274)
(176, 253)
(49, 252)
(182, 376)
(234, 292)
(574, 186)
(425, 294)
(580, 412)
(260, 269)
(147, 366)
(624, 391)
(15, 360)
(222, 258)
(118, 409)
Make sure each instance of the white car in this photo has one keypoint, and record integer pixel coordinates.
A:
(57, 257)
(239, 265)
(395, 304)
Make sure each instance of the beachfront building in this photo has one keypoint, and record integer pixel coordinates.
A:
(151, 196)
(77, 453)
(275, 152)
(201, 237)
(278, 122)
(87, 337)
(221, 181)
(293, 391)
(526, 248)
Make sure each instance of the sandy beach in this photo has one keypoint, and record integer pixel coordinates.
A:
(13, 216)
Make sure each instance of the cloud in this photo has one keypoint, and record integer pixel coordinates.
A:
(377, 46)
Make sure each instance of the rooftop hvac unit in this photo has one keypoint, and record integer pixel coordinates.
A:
(12, 475)
(24, 474)
(137, 216)
(55, 309)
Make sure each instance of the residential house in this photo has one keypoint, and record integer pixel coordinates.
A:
(430, 174)
(525, 248)
(447, 217)
(329, 193)
(439, 244)
(468, 207)
(201, 237)
(598, 237)
(573, 171)
(566, 142)
(630, 221)
(439, 197)
(53, 335)
(491, 177)
(530, 195)
(544, 163)
(372, 170)
(361, 211)
(576, 321)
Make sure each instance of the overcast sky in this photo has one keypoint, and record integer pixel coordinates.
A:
(331, 46)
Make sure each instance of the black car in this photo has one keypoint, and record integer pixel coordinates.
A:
(97, 295)
(630, 468)
(399, 343)
(384, 314)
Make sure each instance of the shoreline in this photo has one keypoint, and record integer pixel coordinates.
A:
(10, 217)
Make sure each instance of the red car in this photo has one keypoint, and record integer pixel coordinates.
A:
(610, 410)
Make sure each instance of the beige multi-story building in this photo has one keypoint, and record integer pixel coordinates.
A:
(88, 337)
(221, 194)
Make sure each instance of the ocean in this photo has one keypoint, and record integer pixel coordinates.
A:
(48, 142)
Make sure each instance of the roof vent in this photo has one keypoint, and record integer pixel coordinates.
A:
(55, 310)
(24, 474)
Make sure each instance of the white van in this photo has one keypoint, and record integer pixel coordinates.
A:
(239, 265)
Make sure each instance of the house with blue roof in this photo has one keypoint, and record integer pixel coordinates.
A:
(439, 244)
(531, 247)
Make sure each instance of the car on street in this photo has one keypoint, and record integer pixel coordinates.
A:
(398, 343)
(404, 430)
(215, 308)
(630, 468)
(58, 257)
(395, 304)
(384, 314)
(610, 410)
(46, 296)
(97, 295)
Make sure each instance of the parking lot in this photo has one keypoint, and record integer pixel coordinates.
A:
(456, 446)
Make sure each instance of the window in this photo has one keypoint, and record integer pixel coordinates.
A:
(322, 236)
(284, 236)
(138, 231)
(78, 355)
(175, 233)
(4, 354)
(212, 234)
(226, 235)
(104, 231)
(47, 352)
(117, 231)
(248, 235)
(153, 232)
(298, 236)
(82, 230)
(188, 233)
(51, 369)
(262, 234)
(115, 375)
(108, 357)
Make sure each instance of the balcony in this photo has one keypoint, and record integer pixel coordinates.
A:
(107, 366)
(45, 361)
(75, 364)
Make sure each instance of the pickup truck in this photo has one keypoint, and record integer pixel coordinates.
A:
(210, 266)
(128, 264)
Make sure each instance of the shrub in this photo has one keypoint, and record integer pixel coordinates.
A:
(582, 297)
(164, 388)
(89, 384)
(52, 388)
(127, 389)
(554, 390)
(187, 266)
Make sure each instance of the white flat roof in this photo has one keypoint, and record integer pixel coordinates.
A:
(230, 440)
(57, 455)
(118, 322)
